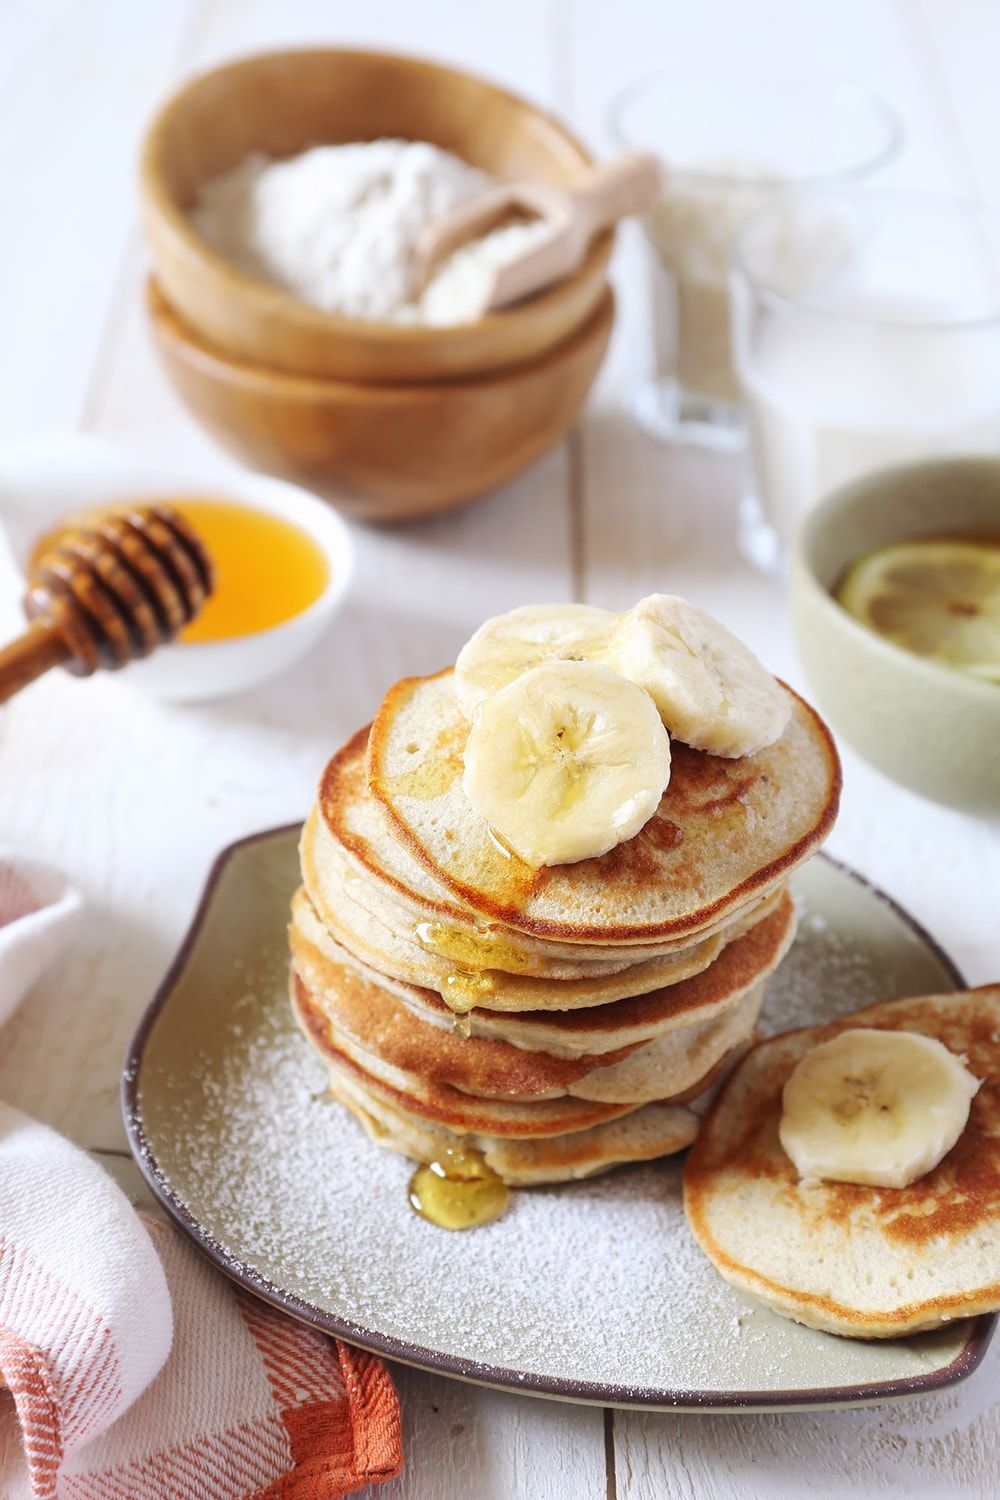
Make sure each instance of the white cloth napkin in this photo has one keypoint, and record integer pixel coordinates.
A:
(85, 1314)
(38, 909)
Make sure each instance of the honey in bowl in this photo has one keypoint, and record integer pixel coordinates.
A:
(267, 569)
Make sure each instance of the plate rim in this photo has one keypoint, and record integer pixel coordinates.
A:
(499, 1377)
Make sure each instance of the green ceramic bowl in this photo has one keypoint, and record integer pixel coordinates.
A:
(924, 725)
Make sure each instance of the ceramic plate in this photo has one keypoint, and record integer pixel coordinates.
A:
(592, 1291)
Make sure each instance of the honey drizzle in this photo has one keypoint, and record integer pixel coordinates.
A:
(479, 947)
(464, 989)
(511, 878)
(438, 765)
(437, 768)
(457, 1190)
(477, 954)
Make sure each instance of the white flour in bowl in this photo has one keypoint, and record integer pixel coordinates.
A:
(336, 225)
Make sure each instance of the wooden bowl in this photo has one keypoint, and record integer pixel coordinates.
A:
(384, 452)
(280, 103)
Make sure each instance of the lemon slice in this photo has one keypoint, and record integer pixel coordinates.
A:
(936, 597)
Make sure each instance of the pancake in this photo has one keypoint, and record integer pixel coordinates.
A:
(726, 831)
(359, 1010)
(859, 1261)
(351, 838)
(330, 872)
(405, 959)
(680, 1008)
(653, 1131)
(678, 1065)
(411, 1039)
(353, 821)
(439, 1102)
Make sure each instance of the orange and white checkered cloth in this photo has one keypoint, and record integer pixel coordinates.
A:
(134, 1370)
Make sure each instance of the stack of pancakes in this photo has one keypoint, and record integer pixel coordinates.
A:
(559, 1020)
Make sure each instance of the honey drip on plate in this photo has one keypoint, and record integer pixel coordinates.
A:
(457, 1190)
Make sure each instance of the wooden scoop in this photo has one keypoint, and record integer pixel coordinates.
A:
(630, 184)
(112, 589)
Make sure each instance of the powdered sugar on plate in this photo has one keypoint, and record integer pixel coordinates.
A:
(597, 1281)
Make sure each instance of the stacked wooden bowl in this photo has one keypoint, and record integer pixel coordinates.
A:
(390, 421)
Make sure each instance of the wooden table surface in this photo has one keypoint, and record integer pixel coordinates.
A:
(133, 799)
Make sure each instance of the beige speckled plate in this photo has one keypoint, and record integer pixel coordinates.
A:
(593, 1291)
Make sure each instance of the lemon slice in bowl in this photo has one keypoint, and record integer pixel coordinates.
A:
(937, 597)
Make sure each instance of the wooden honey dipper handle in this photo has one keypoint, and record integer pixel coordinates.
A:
(112, 589)
(33, 653)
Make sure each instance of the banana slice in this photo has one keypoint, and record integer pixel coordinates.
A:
(710, 689)
(875, 1107)
(510, 644)
(567, 761)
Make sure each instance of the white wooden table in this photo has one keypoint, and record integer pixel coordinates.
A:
(134, 799)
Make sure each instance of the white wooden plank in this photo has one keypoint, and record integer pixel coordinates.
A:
(505, 42)
(77, 80)
(936, 1446)
(463, 1441)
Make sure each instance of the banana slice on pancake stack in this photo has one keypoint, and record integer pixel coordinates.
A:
(543, 893)
(566, 762)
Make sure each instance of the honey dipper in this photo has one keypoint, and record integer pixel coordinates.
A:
(112, 588)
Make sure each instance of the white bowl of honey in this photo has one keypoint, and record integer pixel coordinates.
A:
(282, 558)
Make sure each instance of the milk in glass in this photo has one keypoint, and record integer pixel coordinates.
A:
(832, 397)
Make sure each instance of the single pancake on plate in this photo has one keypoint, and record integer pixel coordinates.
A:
(867, 1262)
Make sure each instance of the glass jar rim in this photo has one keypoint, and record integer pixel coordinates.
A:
(889, 117)
(953, 207)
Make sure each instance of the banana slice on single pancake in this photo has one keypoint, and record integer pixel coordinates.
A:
(510, 644)
(875, 1107)
(567, 761)
(710, 689)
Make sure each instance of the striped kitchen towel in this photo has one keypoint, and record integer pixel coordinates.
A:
(136, 1372)
(129, 1368)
